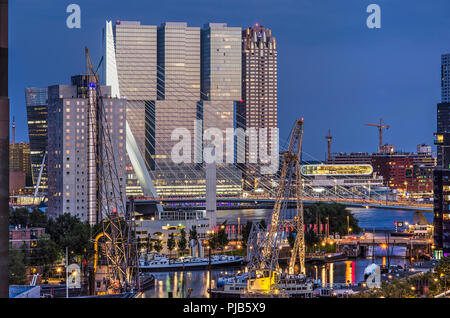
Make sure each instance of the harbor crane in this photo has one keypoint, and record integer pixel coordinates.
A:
(263, 267)
(380, 127)
(329, 138)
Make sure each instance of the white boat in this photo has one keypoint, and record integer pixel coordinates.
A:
(292, 286)
(162, 263)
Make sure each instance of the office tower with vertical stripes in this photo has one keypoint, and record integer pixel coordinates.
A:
(259, 105)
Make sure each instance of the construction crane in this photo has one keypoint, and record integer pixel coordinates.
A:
(105, 200)
(380, 127)
(329, 138)
(263, 267)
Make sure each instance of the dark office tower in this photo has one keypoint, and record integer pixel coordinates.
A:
(441, 213)
(258, 108)
(441, 175)
(443, 127)
(36, 101)
(4, 151)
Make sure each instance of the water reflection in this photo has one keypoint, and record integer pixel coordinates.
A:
(178, 284)
(194, 284)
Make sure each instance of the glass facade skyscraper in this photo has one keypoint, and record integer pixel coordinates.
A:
(36, 102)
(158, 71)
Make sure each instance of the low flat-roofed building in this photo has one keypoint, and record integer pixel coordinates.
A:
(25, 236)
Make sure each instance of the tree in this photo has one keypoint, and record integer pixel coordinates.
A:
(19, 216)
(222, 237)
(45, 253)
(170, 243)
(69, 231)
(311, 239)
(182, 242)
(37, 218)
(17, 269)
(149, 245)
(337, 214)
(246, 232)
(193, 234)
(157, 246)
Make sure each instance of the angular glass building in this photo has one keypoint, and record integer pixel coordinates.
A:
(36, 102)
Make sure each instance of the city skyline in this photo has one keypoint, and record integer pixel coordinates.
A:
(312, 64)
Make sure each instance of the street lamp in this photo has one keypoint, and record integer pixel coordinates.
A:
(210, 233)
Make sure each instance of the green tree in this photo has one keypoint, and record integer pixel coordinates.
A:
(149, 245)
(157, 246)
(17, 269)
(193, 234)
(182, 242)
(337, 214)
(69, 231)
(37, 218)
(19, 216)
(45, 253)
(170, 243)
(311, 239)
(246, 232)
(221, 237)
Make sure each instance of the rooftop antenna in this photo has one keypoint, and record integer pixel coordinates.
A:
(329, 138)
(14, 131)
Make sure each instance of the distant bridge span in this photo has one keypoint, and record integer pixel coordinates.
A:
(261, 202)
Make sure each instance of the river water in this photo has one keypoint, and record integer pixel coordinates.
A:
(352, 271)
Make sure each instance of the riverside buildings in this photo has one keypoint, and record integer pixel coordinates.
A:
(408, 173)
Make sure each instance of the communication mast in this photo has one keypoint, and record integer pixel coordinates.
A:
(264, 272)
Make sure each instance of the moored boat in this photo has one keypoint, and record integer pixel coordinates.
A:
(162, 263)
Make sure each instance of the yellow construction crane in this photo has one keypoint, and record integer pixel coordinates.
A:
(263, 267)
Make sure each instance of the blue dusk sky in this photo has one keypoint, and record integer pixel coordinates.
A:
(332, 70)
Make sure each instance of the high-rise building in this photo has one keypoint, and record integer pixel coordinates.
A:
(221, 69)
(178, 87)
(445, 78)
(130, 69)
(258, 108)
(36, 102)
(165, 64)
(441, 174)
(19, 160)
(441, 220)
(68, 135)
(443, 127)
